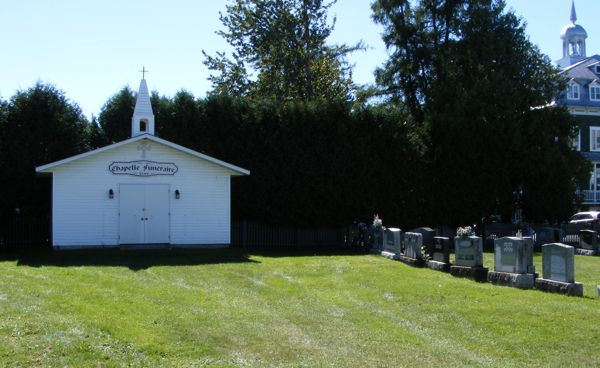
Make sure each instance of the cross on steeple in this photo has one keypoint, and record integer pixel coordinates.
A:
(143, 71)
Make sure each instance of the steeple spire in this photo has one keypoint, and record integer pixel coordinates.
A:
(142, 121)
(573, 39)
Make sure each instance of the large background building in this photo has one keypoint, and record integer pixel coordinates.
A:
(582, 98)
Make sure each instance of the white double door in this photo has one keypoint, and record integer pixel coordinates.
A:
(144, 213)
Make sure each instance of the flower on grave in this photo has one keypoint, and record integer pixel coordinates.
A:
(465, 231)
(377, 222)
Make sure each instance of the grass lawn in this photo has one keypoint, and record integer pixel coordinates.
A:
(226, 308)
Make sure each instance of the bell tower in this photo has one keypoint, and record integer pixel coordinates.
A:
(573, 38)
(143, 118)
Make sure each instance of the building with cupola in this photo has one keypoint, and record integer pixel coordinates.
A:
(141, 192)
(582, 98)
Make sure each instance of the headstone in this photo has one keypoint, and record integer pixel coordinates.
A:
(588, 239)
(412, 245)
(468, 251)
(513, 255)
(558, 262)
(428, 235)
(392, 242)
(546, 235)
(377, 238)
(440, 250)
(439, 254)
(558, 270)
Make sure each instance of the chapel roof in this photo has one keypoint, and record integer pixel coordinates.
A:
(236, 170)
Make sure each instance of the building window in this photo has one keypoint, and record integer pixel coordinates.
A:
(594, 138)
(576, 143)
(597, 69)
(573, 92)
(143, 125)
(595, 93)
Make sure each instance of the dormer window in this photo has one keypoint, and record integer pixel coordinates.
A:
(143, 125)
(597, 69)
(594, 92)
(573, 91)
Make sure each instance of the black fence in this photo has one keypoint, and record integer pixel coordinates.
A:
(258, 236)
(17, 232)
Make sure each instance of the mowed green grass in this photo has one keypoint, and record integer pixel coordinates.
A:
(225, 308)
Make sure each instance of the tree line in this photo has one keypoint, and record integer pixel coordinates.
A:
(459, 118)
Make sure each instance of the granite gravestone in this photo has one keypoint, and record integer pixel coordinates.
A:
(392, 242)
(439, 253)
(428, 235)
(513, 262)
(588, 239)
(440, 250)
(468, 258)
(412, 245)
(513, 255)
(546, 235)
(377, 238)
(558, 262)
(468, 251)
(558, 270)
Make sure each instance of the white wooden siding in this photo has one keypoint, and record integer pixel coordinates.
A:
(83, 215)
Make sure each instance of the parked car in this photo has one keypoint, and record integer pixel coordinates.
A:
(587, 218)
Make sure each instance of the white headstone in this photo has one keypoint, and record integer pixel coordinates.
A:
(558, 262)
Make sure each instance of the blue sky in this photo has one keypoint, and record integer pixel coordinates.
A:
(90, 49)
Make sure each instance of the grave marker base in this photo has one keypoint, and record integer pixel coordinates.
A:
(585, 252)
(438, 266)
(415, 262)
(558, 287)
(390, 255)
(518, 280)
(476, 273)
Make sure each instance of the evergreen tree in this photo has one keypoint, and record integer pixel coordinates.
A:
(40, 126)
(115, 115)
(469, 76)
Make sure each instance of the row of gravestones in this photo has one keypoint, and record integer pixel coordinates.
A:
(513, 259)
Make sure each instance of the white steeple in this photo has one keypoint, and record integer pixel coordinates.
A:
(143, 118)
(573, 37)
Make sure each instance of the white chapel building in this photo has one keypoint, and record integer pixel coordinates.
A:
(141, 191)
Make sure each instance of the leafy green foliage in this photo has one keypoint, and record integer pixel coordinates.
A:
(469, 78)
(280, 52)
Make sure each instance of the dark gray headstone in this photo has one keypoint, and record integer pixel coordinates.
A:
(428, 235)
(513, 255)
(392, 240)
(412, 245)
(440, 250)
(588, 239)
(468, 251)
(546, 235)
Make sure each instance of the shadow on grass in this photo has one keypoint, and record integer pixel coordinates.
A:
(310, 252)
(133, 259)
